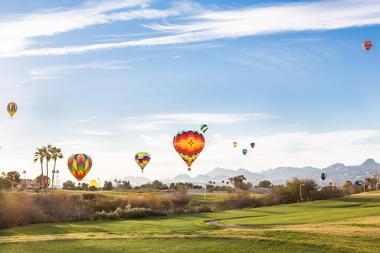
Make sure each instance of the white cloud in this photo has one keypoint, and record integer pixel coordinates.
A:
(17, 31)
(212, 25)
(159, 121)
(98, 133)
(54, 72)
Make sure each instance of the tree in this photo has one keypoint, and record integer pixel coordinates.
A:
(56, 153)
(107, 186)
(5, 183)
(39, 155)
(239, 182)
(68, 185)
(127, 185)
(14, 177)
(265, 184)
(348, 188)
(47, 151)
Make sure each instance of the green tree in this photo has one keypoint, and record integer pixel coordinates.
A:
(265, 184)
(68, 185)
(56, 153)
(239, 182)
(14, 177)
(107, 186)
(39, 155)
(48, 157)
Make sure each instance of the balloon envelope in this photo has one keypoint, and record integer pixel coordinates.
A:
(189, 144)
(253, 144)
(323, 176)
(234, 144)
(93, 183)
(79, 165)
(367, 45)
(12, 108)
(142, 159)
(245, 151)
(204, 128)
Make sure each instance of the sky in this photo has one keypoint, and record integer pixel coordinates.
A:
(112, 78)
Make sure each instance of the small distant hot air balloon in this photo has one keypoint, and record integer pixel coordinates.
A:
(12, 108)
(323, 176)
(189, 144)
(79, 165)
(142, 159)
(93, 183)
(367, 45)
(253, 144)
(204, 128)
(234, 144)
(245, 151)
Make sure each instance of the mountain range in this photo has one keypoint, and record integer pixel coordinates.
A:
(336, 173)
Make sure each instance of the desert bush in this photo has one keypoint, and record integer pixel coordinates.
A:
(59, 206)
(19, 209)
(329, 192)
(241, 200)
(128, 213)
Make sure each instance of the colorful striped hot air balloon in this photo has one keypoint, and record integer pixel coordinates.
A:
(142, 159)
(189, 144)
(12, 108)
(204, 128)
(79, 165)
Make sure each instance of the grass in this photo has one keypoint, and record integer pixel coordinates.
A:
(343, 225)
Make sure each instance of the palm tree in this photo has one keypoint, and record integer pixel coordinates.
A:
(40, 155)
(56, 153)
(47, 151)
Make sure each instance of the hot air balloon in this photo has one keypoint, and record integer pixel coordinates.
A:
(93, 183)
(204, 128)
(142, 159)
(245, 151)
(189, 144)
(367, 45)
(253, 144)
(323, 176)
(234, 144)
(79, 165)
(12, 108)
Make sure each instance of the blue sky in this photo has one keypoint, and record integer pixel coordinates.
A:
(111, 78)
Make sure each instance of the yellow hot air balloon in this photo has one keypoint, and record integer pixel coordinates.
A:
(234, 144)
(93, 183)
(12, 108)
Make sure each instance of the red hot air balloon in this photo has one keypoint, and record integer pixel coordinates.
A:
(189, 144)
(367, 45)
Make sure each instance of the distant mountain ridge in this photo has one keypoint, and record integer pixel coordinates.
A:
(336, 173)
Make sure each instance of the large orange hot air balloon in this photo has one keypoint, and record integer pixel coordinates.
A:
(79, 165)
(189, 144)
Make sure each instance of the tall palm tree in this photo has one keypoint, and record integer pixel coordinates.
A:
(56, 153)
(47, 151)
(39, 155)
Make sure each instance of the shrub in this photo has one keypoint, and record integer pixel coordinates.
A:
(128, 213)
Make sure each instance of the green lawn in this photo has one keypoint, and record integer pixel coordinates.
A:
(344, 225)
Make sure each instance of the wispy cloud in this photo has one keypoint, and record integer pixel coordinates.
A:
(159, 121)
(53, 72)
(208, 25)
(18, 31)
(98, 133)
